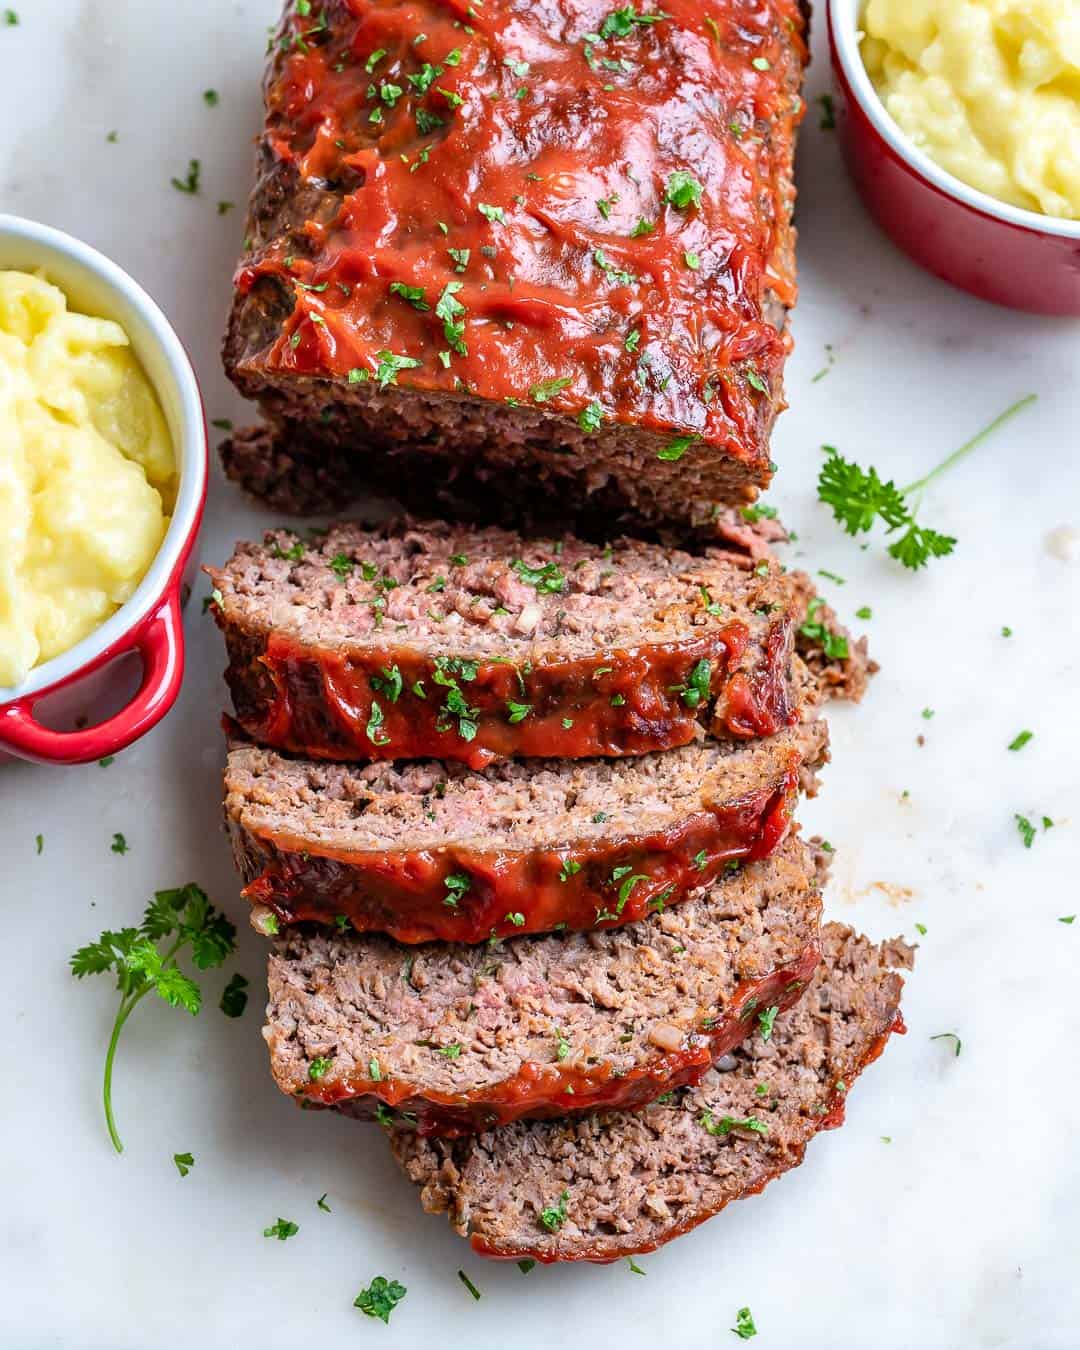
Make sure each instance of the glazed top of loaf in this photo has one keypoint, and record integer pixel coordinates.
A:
(551, 201)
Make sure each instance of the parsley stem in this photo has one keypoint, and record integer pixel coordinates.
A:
(127, 1006)
(968, 446)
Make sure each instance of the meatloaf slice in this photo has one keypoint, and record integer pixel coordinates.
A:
(461, 1039)
(435, 851)
(600, 1187)
(527, 250)
(417, 638)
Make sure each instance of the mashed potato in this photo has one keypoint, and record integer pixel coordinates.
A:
(87, 473)
(990, 89)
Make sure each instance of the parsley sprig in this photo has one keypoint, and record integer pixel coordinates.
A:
(174, 919)
(859, 497)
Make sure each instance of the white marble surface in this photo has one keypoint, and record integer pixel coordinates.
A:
(961, 1232)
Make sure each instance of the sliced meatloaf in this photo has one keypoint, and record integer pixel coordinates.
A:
(613, 1184)
(420, 639)
(527, 251)
(428, 850)
(458, 1039)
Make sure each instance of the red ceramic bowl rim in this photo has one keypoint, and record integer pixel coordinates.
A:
(26, 245)
(844, 32)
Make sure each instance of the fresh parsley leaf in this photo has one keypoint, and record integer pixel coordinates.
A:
(282, 1229)
(211, 98)
(380, 1298)
(860, 497)
(1020, 740)
(184, 1162)
(389, 364)
(457, 884)
(119, 844)
(674, 450)
(374, 729)
(1027, 830)
(591, 417)
(234, 996)
(569, 869)
(491, 213)
(834, 645)
(726, 1124)
(321, 1202)
(414, 294)
(766, 1020)
(176, 919)
(39, 843)
(518, 711)
(634, 1267)
(526, 1265)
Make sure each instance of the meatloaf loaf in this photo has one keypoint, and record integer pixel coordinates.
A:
(527, 251)
(462, 1039)
(433, 851)
(418, 639)
(596, 1188)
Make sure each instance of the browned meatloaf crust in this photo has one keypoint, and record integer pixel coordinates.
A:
(428, 850)
(418, 639)
(600, 1187)
(461, 1039)
(541, 252)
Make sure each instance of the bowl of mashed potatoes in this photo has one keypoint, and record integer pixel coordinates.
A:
(960, 123)
(103, 468)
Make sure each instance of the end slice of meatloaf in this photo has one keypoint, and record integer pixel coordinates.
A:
(461, 1039)
(420, 639)
(428, 850)
(614, 1184)
(453, 278)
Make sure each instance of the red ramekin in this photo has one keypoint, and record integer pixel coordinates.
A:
(998, 252)
(149, 623)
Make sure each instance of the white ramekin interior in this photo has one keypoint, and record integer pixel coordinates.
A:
(844, 27)
(97, 286)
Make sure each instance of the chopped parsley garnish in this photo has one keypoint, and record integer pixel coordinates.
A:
(518, 920)
(211, 98)
(380, 1298)
(683, 190)
(518, 711)
(1067, 918)
(760, 63)
(591, 417)
(11, 18)
(693, 261)
(834, 645)
(949, 1036)
(282, 1229)
(674, 450)
(864, 612)
(389, 683)
(491, 213)
(859, 497)
(190, 184)
(634, 1267)
(184, 1162)
(234, 997)
(526, 1265)
(766, 1018)
(469, 1285)
(700, 859)
(39, 843)
(451, 1051)
(449, 309)
(341, 565)
(554, 1216)
(642, 227)
(184, 915)
(546, 389)
(697, 684)
(744, 1326)
(414, 294)
(1028, 830)
(607, 266)
(119, 844)
(293, 554)
(569, 869)
(375, 733)
(460, 257)
(321, 1202)
(1020, 740)
(389, 364)
(457, 884)
(456, 707)
(548, 579)
(318, 1068)
(726, 1124)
